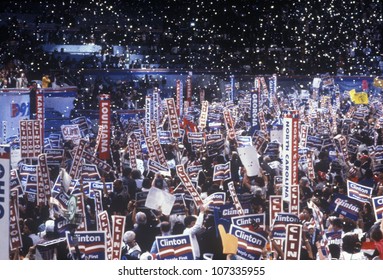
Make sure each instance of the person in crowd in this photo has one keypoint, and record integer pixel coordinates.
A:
(194, 227)
(165, 228)
(130, 250)
(45, 81)
(145, 230)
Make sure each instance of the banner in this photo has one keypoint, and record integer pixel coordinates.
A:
(159, 152)
(5, 168)
(82, 124)
(377, 203)
(173, 118)
(275, 207)
(104, 225)
(141, 200)
(89, 173)
(359, 192)
(179, 204)
(249, 158)
(251, 221)
(203, 115)
(193, 172)
(155, 167)
(229, 124)
(55, 140)
(46, 181)
(346, 206)
(180, 98)
(81, 210)
(98, 162)
(188, 92)
(117, 235)
(222, 172)
(280, 223)
(31, 140)
(132, 155)
(104, 121)
(92, 244)
(40, 111)
(175, 247)
(188, 184)
(215, 200)
(14, 224)
(290, 153)
(148, 115)
(255, 104)
(235, 199)
(76, 164)
(342, 146)
(293, 242)
(15, 183)
(294, 200)
(160, 200)
(54, 156)
(334, 237)
(156, 104)
(250, 244)
(28, 178)
(151, 151)
(71, 132)
(244, 141)
(215, 146)
(41, 198)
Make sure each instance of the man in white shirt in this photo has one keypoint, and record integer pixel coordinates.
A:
(194, 226)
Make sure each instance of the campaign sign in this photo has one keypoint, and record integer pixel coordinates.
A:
(377, 203)
(5, 166)
(228, 211)
(54, 156)
(215, 147)
(346, 206)
(243, 141)
(141, 200)
(250, 244)
(15, 183)
(55, 140)
(249, 221)
(293, 242)
(89, 173)
(359, 192)
(334, 237)
(222, 172)
(98, 162)
(156, 167)
(215, 200)
(249, 157)
(160, 200)
(90, 243)
(275, 207)
(175, 247)
(179, 204)
(98, 186)
(280, 223)
(193, 171)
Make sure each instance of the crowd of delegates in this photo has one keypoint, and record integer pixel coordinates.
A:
(143, 225)
(196, 38)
